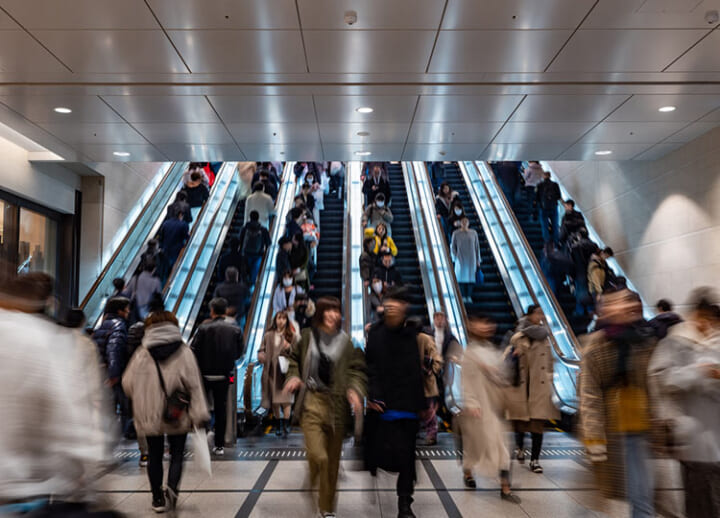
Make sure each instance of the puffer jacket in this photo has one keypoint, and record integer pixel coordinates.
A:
(163, 343)
(111, 339)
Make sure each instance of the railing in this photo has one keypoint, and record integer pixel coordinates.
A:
(353, 288)
(126, 253)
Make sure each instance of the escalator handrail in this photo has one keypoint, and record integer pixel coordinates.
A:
(572, 362)
(122, 243)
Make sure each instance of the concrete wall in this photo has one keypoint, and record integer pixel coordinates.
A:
(661, 217)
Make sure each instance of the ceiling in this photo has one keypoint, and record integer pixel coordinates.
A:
(282, 79)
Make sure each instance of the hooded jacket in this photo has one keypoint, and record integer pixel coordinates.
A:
(111, 338)
(163, 343)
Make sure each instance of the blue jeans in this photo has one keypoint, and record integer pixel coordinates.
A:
(639, 476)
(549, 225)
(254, 262)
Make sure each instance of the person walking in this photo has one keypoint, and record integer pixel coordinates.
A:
(547, 197)
(330, 374)
(432, 364)
(375, 184)
(218, 345)
(261, 203)
(285, 293)
(255, 241)
(465, 250)
(665, 319)
(276, 344)
(483, 427)
(179, 205)
(529, 398)
(234, 291)
(197, 191)
(173, 234)
(377, 213)
(144, 287)
(161, 374)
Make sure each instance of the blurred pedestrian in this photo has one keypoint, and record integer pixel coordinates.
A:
(465, 251)
(548, 195)
(665, 319)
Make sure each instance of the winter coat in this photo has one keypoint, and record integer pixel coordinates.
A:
(263, 204)
(375, 302)
(367, 265)
(688, 400)
(432, 364)
(111, 339)
(281, 301)
(197, 196)
(385, 242)
(135, 336)
(141, 383)
(254, 226)
(465, 250)
(443, 207)
(273, 346)
(235, 293)
(548, 195)
(375, 215)
(532, 398)
(382, 187)
(572, 222)
(217, 346)
(144, 287)
(663, 322)
(282, 263)
(534, 175)
(173, 236)
(231, 258)
(597, 273)
(179, 206)
(390, 276)
(348, 373)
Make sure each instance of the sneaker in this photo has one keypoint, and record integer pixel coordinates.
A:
(510, 497)
(520, 455)
(158, 505)
(219, 451)
(470, 482)
(535, 467)
(143, 461)
(171, 497)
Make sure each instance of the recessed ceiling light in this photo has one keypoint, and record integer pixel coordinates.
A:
(603, 152)
(666, 109)
(363, 153)
(62, 109)
(363, 133)
(442, 153)
(282, 152)
(364, 109)
(121, 153)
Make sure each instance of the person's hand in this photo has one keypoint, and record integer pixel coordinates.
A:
(261, 357)
(475, 413)
(286, 345)
(366, 284)
(367, 327)
(292, 385)
(374, 187)
(380, 310)
(377, 406)
(355, 402)
(712, 371)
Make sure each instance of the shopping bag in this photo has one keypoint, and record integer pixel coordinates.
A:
(284, 364)
(201, 451)
(479, 277)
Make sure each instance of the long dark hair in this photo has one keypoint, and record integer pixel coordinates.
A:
(289, 332)
(323, 305)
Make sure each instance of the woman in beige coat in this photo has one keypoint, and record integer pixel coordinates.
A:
(277, 341)
(529, 399)
(163, 353)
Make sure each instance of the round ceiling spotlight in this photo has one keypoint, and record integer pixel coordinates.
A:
(603, 152)
(667, 109)
(363, 153)
(282, 152)
(441, 153)
(363, 133)
(364, 109)
(121, 153)
(63, 110)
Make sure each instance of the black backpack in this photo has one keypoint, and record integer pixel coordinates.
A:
(253, 241)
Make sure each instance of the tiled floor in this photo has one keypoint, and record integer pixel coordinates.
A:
(280, 488)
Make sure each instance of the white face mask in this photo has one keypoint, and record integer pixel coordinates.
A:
(378, 287)
(309, 179)
(380, 204)
(458, 212)
(287, 282)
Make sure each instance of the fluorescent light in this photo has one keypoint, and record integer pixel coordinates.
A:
(363, 153)
(364, 109)
(666, 109)
(121, 153)
(63, 110)
(603, 152)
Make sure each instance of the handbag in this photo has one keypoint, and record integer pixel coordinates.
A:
(176, 404)
(284, 364)
(479, 276)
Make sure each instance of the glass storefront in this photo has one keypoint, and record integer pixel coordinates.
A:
(37, 243)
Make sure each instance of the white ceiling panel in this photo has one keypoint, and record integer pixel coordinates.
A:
(162, 108)
(190, 133)
(263, 152)
(586, 151)
(94, 133)
(645, 108)
(379, 132)
(566, 108)
(138, 153)
(215, 52)
(81, 14)
(454, 132)
(379, 152)
(713, 116)
(515, 14)
(114, 52)
(443, 151)
(371, 52)
(658, 151)
(466, 108)
(226, 14)
(6, 22)
(496, 51)
(201, 152)
(692, 131)
(542, 132)
(522, 151)
(264, 108)
(702, 58)
(40, 108)
(624, 51)
(653, 14)
(22, 55)
(274, 133)
(632, 132)
(371, 14)
(387, 108)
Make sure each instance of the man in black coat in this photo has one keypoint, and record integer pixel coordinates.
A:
(232, 257)
(217, 346)
(180, 204)
(396, 396)
(387, 272)
(548, 195)
(374, 185)
(254, 242)
(572, 222)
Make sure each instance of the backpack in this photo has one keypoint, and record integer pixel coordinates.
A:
(253, 241)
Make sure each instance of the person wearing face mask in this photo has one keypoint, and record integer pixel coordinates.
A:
(307, 198)
(300, 260)
(378, 213)
(376, 184)
(387, 273)
(316, 183)
(465, 250)
(296, 217)
(304, 310)
(285, 293)
(383, 242)
(368, 260)
(377, 295)
(457, 212)
(443, 206)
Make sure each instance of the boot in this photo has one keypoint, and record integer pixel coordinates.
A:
(404, 510)
(285, 427)
(278, 427)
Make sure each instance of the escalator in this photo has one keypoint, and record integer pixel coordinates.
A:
(530, 225)
(402, 233)
(490, 298)
(328, 276)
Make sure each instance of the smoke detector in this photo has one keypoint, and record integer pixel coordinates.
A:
(350, 18)
(712, 17)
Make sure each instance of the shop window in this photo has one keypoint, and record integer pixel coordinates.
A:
(37, 243)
